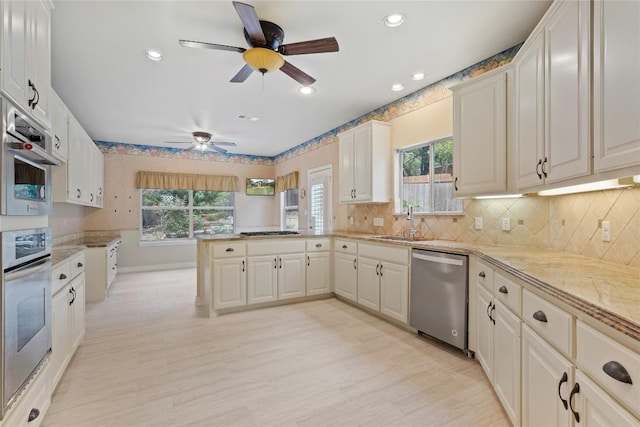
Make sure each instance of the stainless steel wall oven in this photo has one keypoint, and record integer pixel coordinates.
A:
(26, 159)
(26, 308)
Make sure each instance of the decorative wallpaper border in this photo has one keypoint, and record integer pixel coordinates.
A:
(416, 100)
(178, 153)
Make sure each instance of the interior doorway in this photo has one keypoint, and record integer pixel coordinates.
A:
(320, 199)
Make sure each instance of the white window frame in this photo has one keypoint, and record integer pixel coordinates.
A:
(284, 209)
(190, 208)
(398, 178)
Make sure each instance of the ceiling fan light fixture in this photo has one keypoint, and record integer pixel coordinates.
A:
(393, 20)
(306, 90)
(201, 146)
(202, 137)
(153, 55)
(263, 60)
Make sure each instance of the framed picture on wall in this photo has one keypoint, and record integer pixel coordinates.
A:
(261, 187)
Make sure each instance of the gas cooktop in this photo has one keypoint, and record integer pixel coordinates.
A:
(267, 233)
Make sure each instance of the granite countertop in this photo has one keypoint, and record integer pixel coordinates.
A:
(94, 241)
(603, 290)
(69, 248)
(63, 252)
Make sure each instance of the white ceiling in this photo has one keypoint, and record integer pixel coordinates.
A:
(100, 71)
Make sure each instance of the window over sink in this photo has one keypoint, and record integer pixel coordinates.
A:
(425, 178)
(178, 215)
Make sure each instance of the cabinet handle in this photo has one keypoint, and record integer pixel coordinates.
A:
(354, 264)
(243, 266)
(79, 193)
(33, 414)
(540, 316)
(33, 106)
(63, 276)
(538, 167)
(344, 246)
(493, 319)
(100, 191)
(275, 263)
(318, 245)
(481, 274)
(91, 199)
(308, 261)
(377, 269)
(72, 297)
(544, 172)
(489, 308)
(58, 144)
(503, 290)
(564, 379)
(455, 183)
(574, 390)
(616, 371)
(381, 267)
(229, 250)
(34, 93)
(280, 259)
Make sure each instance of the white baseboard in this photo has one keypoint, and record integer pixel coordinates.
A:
(176, 266)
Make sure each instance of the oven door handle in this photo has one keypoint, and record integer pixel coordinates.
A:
(27, 270)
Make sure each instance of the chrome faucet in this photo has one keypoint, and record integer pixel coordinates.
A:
(412, 231)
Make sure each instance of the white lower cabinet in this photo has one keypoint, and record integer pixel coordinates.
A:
(394, 291)
(291, 276)
(318, 273)
(596, 408)
(369, 283)
(346, 275)
(102, 268)
(32, 405)
(229, 282)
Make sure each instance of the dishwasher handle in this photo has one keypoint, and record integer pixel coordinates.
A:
(439, 260)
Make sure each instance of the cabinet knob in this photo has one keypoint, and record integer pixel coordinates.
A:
(344, 246)
(481, 274)
(63, 276)
(503, 290)
(616, 371)
(33, 414)
(318, 245)
(540, 316)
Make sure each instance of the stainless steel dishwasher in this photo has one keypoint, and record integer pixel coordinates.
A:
(439, 296)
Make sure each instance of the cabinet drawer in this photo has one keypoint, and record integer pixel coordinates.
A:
(509, 292)
(484, 275)
(384, 252)
(273, 247)
(597, 352)
(557, 329)
(229, 250)
(37, 397)
(318, 245)
(76, 265)
(60, 276)
(345, 246)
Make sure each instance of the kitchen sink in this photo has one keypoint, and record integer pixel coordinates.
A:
(399, 238)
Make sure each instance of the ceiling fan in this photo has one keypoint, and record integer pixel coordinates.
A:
(202, 142)
(265, 53)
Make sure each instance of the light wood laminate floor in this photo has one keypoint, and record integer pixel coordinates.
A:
(150, 359)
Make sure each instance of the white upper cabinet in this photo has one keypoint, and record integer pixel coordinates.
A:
(364, 156)
(26, 56)
(616, 84)
(552, 99)
(480, 135)
(59, 127)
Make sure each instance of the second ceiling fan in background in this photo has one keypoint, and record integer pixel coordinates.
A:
(264, 55)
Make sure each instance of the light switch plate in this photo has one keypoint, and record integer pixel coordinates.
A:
(378, 222)
(478, 223)
(606, 231)
(506, 224)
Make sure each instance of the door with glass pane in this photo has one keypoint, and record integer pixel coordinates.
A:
(320, 215)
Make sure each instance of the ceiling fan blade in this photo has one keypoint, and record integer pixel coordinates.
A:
(178, 142)
(242, 74)
(297, 74)
(224, 143)
(329, 44)
(205, 45)
(250, 21)
(218, 149)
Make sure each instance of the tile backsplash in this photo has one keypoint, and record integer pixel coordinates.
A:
(568, 223)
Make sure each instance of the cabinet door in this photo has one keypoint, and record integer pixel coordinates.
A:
(529, 121)
(506, 360)
(362, 139)
(346, 276)
(480, 137)
(40, 58)
(15, 45)
(99, 178)
(596, 408)
(61, 335)
(291, 276)
(485, 330)
(567, 148)
(347, 165)
(60, 127)
(262, 279)
(77, 311)
(546, 381)
(369, 283)
(616, 84)
(74, 163)
(318, 273)
(229, 283)
(394, 291)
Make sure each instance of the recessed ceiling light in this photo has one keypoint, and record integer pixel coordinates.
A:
(250, 118)
(417, 76)
(154, 55)
(394, 20)
(306, 90)
(397, 87)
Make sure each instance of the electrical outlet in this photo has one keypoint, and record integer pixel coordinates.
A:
(606, 231)
(506, 224)
(378, 222)
(350, 220)
(478, 223)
